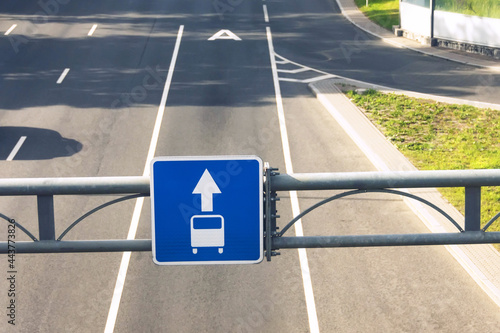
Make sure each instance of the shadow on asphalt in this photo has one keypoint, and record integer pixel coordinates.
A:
(317, 36)
(40, 144)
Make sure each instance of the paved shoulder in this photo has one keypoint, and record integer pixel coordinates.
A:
(482, 262)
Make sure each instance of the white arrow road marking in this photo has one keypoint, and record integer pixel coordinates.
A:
(224, 34)
(207, 188)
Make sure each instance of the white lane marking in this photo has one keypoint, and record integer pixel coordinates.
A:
(288, 61)
(293, 71)
(386, 89)
(92, 30)
(284, 60)
(63, 75)
(314, 79)
(10, 29)
(14, 151)
(304, 263)
(287, 79)
(266, 16)
(301, 69)
(318, 78)
(122, 273)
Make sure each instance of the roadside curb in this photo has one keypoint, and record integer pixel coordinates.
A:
(482, 262)
(351, 12)
(444, 99)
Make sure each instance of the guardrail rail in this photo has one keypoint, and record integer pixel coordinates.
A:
(45, 189)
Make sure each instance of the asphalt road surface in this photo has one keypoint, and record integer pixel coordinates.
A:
(84, 83)
(313, 33)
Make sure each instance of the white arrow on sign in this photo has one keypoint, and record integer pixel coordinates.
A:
(206, 187)
(224, 34)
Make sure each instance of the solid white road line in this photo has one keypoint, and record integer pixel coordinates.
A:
(304, 263)
(266, 16)
(14, 151)
(92, 30)
(63, 75)
(10, 29)
(122, 273)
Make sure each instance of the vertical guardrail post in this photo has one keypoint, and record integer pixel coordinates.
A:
(46, 224)
(433, 6)
(472, 208)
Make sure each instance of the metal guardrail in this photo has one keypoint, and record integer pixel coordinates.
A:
(355, 183)
(74, 186)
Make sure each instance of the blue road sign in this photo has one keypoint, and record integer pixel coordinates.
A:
(207, 210)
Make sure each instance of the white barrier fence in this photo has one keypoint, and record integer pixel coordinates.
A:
(416, 18)
(466, 28)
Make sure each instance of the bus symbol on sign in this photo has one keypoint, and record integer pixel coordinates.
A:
(209, 234)
(207, 210)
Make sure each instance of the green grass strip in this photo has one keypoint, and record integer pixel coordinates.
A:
(439, 136)
(383, 12)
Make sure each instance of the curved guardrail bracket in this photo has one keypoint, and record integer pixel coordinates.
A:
(18, 225)
(491, 222)
(98, 208)
(313, 207)
(354, 192)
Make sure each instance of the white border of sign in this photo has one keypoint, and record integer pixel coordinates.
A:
(210, 158)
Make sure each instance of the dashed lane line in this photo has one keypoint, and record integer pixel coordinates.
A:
(92, 30)
(10, 29)
(16, 148)
(63, 76)
(266, 15)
